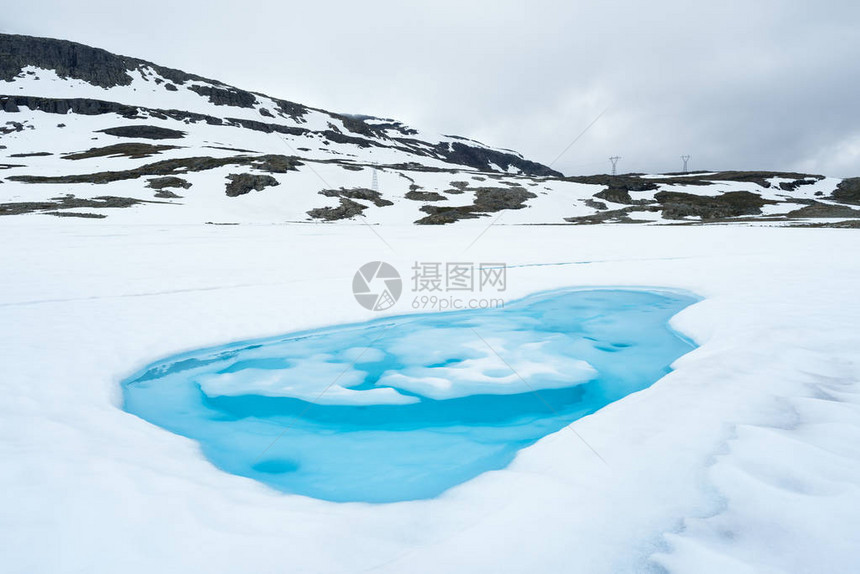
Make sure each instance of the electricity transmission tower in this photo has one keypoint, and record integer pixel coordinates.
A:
(686, 159)
(374, 185)
(614, 159)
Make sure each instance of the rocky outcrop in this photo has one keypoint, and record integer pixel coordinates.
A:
(824, 211)
(67, 202)
(676, 205)
(129, 150)
(491, 199)
(168, 181)
(358, 193)
(90, 107)
(848, 191)
(348, 207)
(622, 215)
(487, 200)
(481, 158)
(226, 96)
(62, 106)
(243, 183)
(167, 167)
(72, 60)
(346, 210)
(633, 182)
(144, 132)
(416, 195)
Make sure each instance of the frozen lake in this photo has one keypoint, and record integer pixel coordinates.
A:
(407, 407)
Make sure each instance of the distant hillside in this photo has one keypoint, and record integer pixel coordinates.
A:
(86, 133)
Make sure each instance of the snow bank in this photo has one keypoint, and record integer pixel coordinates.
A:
(742, 459)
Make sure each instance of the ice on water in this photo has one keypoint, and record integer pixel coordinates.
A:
(404, 408)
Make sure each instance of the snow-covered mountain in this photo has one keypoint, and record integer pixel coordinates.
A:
(86, 133)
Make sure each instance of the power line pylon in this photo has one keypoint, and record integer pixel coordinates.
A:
(614, 159)
(686, 159)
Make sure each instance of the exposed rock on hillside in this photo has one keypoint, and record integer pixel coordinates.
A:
(242, 183)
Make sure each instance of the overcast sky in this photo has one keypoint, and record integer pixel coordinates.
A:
(755, 84)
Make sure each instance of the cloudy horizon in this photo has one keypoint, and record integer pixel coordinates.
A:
(736, 86)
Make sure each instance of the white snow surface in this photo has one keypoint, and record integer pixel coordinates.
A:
(744, 459)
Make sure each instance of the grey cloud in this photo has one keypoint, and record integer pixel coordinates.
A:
(739, 85)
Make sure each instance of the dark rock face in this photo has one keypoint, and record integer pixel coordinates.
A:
(273, 163)
(615, 195)
(129, 150)
(11, 127)
(266, 128)
(357, 125)
(487, 200)
(760, 177)
(793, 185)
(144, 132)
(358, 193)
(612, 216)
(243, 183)
(849, 224)
(291, 109)
(72, 60)
(338, 137)
(226, 96)
(425, 196)
(76, 214)
(168, 181)
(89, 107)
(62, 106)
(676, 205)
(348, 207)
(619, 190)
(160, 168)
(66, 202)
(99, 67)
(632, 182)
(346, 210)
(492, 199)
(481, 158)
(848, 191)
(599, 205)
(824, 210)
(629, 182)
(444, 215)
